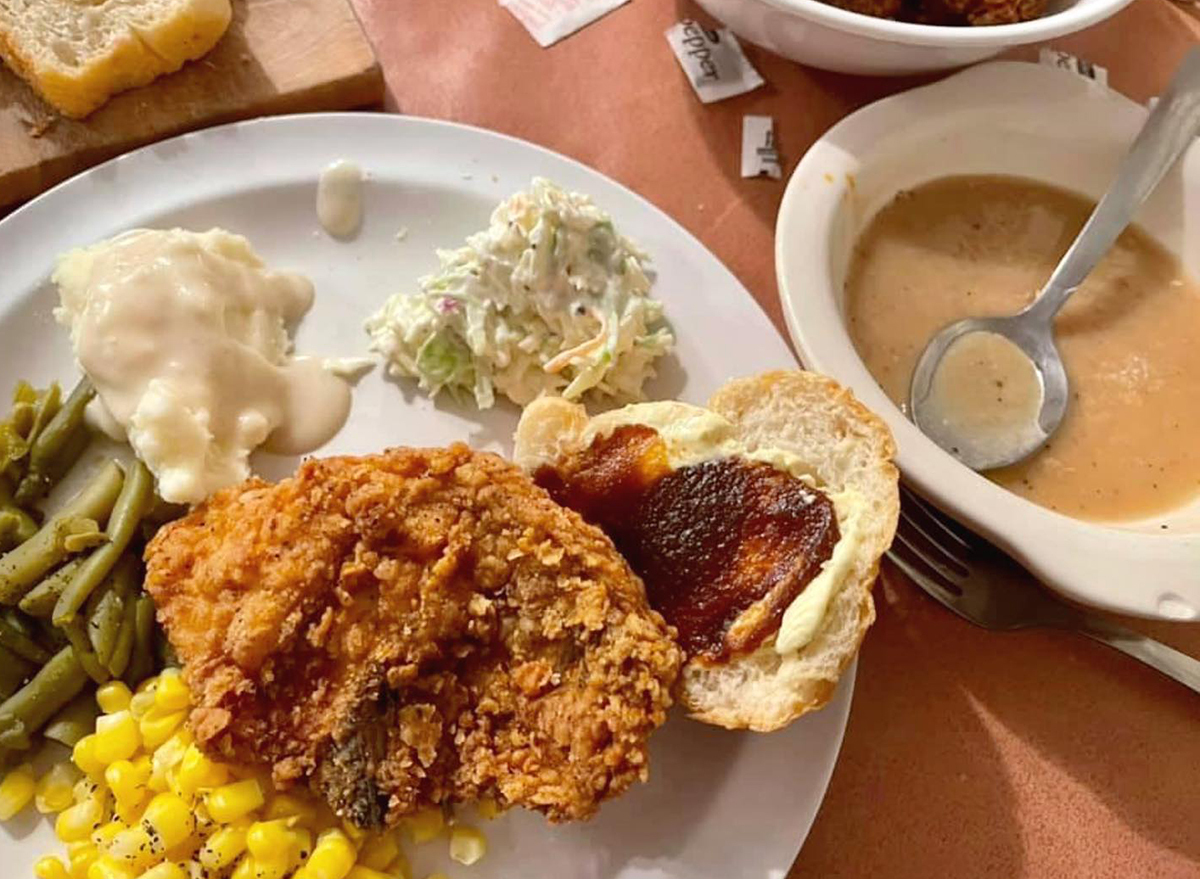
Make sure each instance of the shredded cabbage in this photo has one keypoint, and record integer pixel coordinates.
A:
(550, 298)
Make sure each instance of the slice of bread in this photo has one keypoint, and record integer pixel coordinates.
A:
(844, 446)
(78, 53)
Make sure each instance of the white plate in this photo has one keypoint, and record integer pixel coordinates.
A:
(719, 804)
(1012, 118)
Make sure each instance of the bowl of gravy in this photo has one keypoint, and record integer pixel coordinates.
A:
(956, 200)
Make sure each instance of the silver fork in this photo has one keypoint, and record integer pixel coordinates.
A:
(984, 585)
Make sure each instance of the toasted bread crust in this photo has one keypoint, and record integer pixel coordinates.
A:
(134, 60)
(847, 446)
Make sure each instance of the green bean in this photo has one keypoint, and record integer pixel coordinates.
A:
(20, 568)
(57, 682)
(123, 650)
(82, 648)
(79, 534)
(32, 411)
(14, 671)
(122, 524)
(26, 526)
(59, 436)
(9, 522)
(20, 622)
(14, 431)
(45, 408)
(40, 600)
(74, 721)
(20, 643)
(103, 607)
(50, 636)
(71, 452)
(107, 612)
(23, 392)
(18, 523)
(141, 664)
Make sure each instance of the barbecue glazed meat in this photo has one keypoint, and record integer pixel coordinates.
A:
(413, 628)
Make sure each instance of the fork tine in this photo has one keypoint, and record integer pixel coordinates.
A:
(935, 553)
(930, 585)
(930, 560)
(940, 520)
(931, 533)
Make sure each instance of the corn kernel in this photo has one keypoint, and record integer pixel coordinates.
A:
(16, 791)
(245, 869)
(134, 848)
(54, 789)
(288, 806)
(113, 697)
(141, 702)
(301, 846)
(358, 871)
(78, 822)
(84, 755)
(232, 801)
(380, 850)
(224, 847)
(81, 858)
(84, 789)
(130, 814)
(185, 850)
(103, 835)
(165, 870)
(105, 867)
(426, 824)
(172, 694)
(167, 758)
(332, 857)
(157, 726)
(272, 869)
(117, 737)
(169, 820)
(127, 780)
(50, 867)
(268, 840)
(467, 844)
(197, 771)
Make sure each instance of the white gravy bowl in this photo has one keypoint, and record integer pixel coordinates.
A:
(1008, 118)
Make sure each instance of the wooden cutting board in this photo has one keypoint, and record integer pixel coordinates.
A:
(278, 56)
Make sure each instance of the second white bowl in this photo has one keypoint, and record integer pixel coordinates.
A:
(1008, 118)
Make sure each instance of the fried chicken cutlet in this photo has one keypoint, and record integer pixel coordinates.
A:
(412, 628)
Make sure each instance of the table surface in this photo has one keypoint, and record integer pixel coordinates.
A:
(969, 753)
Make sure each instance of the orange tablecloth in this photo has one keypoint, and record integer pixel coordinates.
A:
(969, 754)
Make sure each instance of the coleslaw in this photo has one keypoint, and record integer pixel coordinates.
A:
(549, 299)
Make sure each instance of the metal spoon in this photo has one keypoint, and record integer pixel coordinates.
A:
(1169, 130)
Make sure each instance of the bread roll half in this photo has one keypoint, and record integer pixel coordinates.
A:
(845, 449)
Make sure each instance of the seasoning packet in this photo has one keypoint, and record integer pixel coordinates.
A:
(1075, 64)
(548, 21)
(713, 60)
(760, 158)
